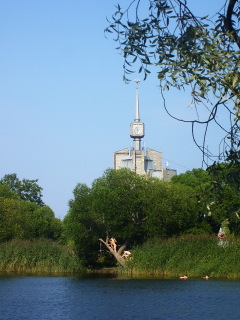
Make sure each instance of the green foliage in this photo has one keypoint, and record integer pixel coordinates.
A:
(45, 225)
(203, 227)
(111, 207)
(80, 227)
(218, 194)
(134, 209)
(23, 215)
(128, 207)
(170, 210)
(117, 198)
(39, 256)
(25, 220)
(192, 255)
(225, 189)
(14, 223)
(198, 179)
(186, 49)
(5, 192)
(26, 189)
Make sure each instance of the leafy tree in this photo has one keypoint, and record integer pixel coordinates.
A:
(26, 189)
(14, 218)
(45, 224)
(118, 197)
(200, 181)
(12, 181)
(80, 227)
(192, 53)
(128, 207)
(23, 214)
(5, 192)
(171, 209)
(24, 220)
(218, 193)
(110, 208)
(196, 179)
(225, 188)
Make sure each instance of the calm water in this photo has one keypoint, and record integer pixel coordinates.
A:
(73, 298)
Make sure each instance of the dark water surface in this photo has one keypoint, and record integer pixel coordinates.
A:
(100, 298)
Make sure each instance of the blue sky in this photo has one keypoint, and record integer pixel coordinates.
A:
(64, 106)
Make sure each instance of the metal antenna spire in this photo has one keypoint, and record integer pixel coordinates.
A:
(137, 114)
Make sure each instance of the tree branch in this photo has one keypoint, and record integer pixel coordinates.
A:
(229, 22)
(116, 254)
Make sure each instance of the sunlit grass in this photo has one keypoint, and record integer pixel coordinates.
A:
(40, 256)
(192, 255)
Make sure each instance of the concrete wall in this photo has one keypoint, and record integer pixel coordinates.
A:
(136, 161)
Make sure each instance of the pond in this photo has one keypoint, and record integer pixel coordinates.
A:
(111, 297)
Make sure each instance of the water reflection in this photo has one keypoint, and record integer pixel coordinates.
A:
(101, 297)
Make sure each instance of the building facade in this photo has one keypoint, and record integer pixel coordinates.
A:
(142, 161)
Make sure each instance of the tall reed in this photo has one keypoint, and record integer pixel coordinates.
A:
(192, 255)
(39, 256)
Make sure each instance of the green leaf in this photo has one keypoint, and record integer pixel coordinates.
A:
(235, 81)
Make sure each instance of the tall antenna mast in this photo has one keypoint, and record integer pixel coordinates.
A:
(137, 127)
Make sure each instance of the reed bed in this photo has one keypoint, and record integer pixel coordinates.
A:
(39, 256)
(192, 255)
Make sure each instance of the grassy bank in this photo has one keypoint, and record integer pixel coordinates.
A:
(192, 255)
(40, 256)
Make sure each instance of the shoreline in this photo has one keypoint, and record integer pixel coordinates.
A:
(118, 275)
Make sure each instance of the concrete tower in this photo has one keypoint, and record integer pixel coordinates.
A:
(143, 162)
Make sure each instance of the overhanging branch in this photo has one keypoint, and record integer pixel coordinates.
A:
(229, 22)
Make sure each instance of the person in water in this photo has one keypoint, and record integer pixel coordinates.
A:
(206, 277)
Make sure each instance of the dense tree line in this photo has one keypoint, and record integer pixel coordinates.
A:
(120, 204)
(134, 209)
(218, 192)
(128, 207)
(23, 215)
